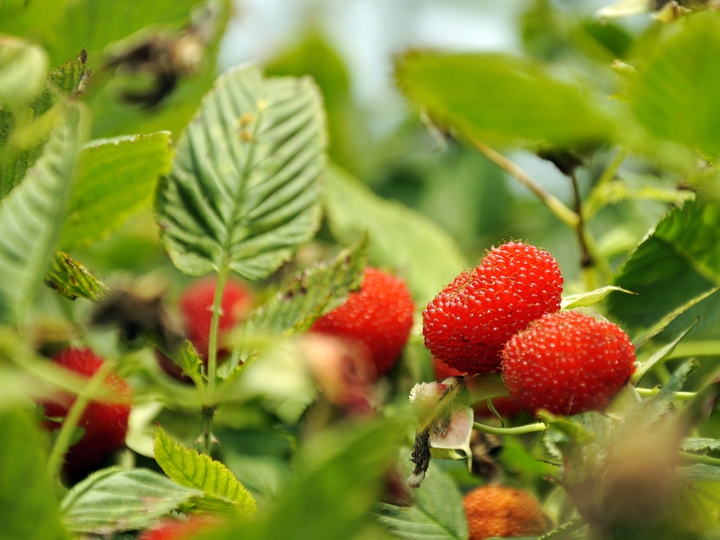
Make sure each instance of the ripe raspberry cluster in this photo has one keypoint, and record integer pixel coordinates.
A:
(504, 316)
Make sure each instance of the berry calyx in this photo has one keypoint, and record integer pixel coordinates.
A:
(567, 363)
(105, 424)
(379, 317)
(501, 511)
(466, 325)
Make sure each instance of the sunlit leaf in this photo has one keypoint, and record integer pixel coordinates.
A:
(589, 298)
(22, 69)
(244, 188)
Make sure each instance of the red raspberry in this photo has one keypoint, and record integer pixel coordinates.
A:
(177, 529)
(105, 424)
(567, 363)
(500, 511)
(379, 316)
(467, 324)
(196, 307)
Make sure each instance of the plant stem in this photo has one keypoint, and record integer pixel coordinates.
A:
(206, 435)
(699, 458)
(586, 260)
(62, 441)
(680, 396)
(214, 325)
(520, 430)
(562, 212)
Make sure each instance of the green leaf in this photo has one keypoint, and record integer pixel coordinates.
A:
(72, 280)
(661, 355)
(301, 300)
(30, 217)
(116, 499)
(400, 238)
(675, 273)
(244, 187)
(28, 509)
(589, 298)
(500, 99)
(675, 95)
(115, 178)
(699, 444)
(699, 473)
(198, 471)
(22, 69)
(438, 512)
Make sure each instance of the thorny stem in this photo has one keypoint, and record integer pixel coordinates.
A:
(62, 441)
(520, 430)
(206, 436)
(562, 212)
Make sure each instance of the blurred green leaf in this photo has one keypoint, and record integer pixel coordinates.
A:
(699, 473)
(438, 511)
(30, 218)
(401, 239)
(244, 188)
(198, 471)
(677, 263)
(675, 94)
(72, 280)
(116, 499)
(114, 179)
(304, 298)
(589, 298)
(28, 508)
(22, 69)
(500, 99)
(698, 444)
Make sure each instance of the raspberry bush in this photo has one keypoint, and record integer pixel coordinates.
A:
(236, 302)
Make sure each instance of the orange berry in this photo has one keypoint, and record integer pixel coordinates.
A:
(503, 512)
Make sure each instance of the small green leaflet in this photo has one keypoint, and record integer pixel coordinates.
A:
(72, 280)
(244, 188)
(117, 499)
(589, 298)
(301, 300)
(198, 471)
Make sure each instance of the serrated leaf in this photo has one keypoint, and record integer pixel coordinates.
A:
(660, 355)
(30, 218)
(117, 499)
(400, 238)
(699, 444)
(675, 95)
(244, 188)
(22, 69)
(72, 280)
(301, 300)
(28, 508)
(699, 473)
(115, 178)
(198, 471)
(677, 266)
(589, 298)
(438, 512)
(500, 99)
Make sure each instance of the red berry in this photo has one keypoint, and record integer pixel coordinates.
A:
(196, 307)
(567, 363)
(443, 371)
(379, 316)
(105, 424)
(500, 511)
(177, 529)
(466, 325)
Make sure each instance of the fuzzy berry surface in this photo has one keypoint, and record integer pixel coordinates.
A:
(105, 424)
(177, 529)
(568, 363)
(196, 307)
(501, 511)
(467, 324)
(379, 316)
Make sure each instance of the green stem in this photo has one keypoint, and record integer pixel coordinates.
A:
(595, 200)
(206, 435)
(62, 441)
(214, 325)
(520, 430)
(562, 212)
(699, 458)
(680, 396)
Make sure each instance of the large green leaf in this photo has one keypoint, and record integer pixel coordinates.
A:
(438, 511)
(500, 99)
(28, 509)
(116, 499)
(115, 178)
(199, 471)
(675, 93)
(31, 214)
(678, 262)
(417, 249)
(244, 187)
